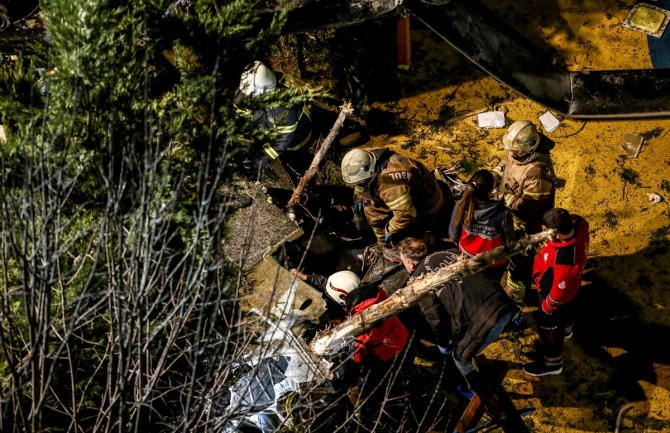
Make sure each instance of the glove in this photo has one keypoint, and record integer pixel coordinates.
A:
(388, 237)
(446, 351)
(358, 208)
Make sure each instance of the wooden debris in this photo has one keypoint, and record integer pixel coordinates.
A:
(319, 155)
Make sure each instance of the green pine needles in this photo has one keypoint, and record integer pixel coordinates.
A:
(117, 309)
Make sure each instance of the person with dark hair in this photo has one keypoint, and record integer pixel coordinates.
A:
(465, 315)
(479, 223)
(557, 272)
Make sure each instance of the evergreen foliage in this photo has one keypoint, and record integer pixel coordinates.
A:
(115, 296)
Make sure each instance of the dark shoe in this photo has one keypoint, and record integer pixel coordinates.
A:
(541, 369)
(568, 333)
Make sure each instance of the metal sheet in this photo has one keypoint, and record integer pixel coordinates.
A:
(322, 14)
(620, 94)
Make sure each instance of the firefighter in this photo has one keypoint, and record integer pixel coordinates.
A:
(527, 186)
(292, 126)
(557, 272)
(399, 196)
(381, 359)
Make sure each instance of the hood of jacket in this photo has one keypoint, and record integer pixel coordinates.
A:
(484, 211)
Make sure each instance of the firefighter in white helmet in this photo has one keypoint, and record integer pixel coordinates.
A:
(527, 186)
(291, 127)
(400, 196)
(378, 362)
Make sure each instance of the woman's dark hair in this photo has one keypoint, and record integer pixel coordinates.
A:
(479, 187)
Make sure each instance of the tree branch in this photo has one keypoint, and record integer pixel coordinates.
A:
(320, 153)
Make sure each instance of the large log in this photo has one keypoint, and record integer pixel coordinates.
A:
(332, 340)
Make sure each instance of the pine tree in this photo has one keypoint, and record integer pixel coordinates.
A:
(116, 301)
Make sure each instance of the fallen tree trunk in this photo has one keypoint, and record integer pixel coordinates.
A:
(330, 341)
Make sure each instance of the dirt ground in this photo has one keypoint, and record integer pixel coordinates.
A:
(617, 367)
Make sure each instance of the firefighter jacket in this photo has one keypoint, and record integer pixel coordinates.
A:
(527, 188)
(292, 128)
(461, 312)
(558, 267)
(402, 195)
(491, 227)
(383, 342)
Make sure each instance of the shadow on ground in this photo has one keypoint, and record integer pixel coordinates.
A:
(620, 343)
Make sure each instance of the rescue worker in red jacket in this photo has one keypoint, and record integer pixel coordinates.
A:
(557, 272)
(400, 196)
(527, 186)
(479, 223)
(383, 342)
(382, 354)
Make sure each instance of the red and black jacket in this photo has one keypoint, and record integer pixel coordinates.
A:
(559, 265)
(492, 226)
(383, 342)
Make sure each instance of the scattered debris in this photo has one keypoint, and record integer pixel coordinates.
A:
(655, 198)
(257, 229)
(631, 144)
(647, 19)
(491, 119)
(549, 122)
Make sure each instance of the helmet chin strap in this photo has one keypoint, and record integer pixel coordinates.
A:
(523, 158)
(365, 183)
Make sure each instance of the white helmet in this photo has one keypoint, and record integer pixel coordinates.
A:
(340, 284)
(257, 79)
(521, 136)
(358, 166)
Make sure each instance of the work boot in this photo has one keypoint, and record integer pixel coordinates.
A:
(568, 332)
(540, 368)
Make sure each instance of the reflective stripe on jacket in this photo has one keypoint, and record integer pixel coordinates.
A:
(403, 194)
(292, 126)
(527, 189)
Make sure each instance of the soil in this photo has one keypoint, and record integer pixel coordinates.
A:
(617, 367)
